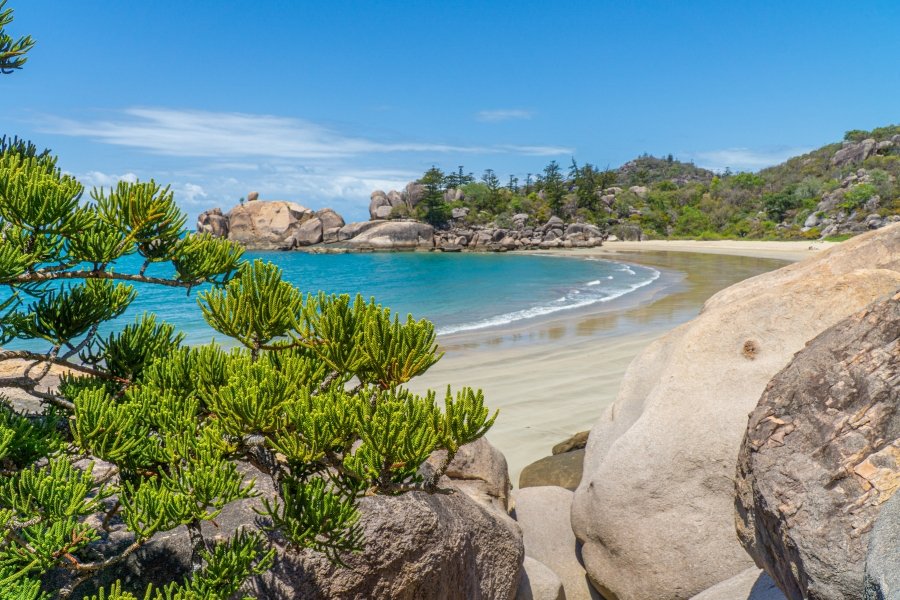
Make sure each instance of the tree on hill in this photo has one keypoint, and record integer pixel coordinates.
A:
(433, 209)
(553, 187)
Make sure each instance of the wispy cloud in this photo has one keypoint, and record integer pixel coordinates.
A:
(98, 179)
(504, 114)
(195, 133)
(745, 159)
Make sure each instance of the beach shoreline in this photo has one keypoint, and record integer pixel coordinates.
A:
(553, 376)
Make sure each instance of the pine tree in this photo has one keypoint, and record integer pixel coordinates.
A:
(433, 209)
(553, 187)
(172, 423)
(12, 51)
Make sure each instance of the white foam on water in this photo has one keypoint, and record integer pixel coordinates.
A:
(573, 299)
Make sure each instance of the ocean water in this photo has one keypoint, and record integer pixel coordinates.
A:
(458, 292)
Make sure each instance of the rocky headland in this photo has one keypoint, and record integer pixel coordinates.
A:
(282, 225)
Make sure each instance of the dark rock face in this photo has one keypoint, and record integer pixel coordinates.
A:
(458, 544)
(417, 546)
(883, 556)
(563, 470)
(821, 454)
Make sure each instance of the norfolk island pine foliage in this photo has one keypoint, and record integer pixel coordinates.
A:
(144, 434)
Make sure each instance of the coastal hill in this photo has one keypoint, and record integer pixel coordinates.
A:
(836, 191)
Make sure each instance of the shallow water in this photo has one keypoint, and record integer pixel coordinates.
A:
(458, 292)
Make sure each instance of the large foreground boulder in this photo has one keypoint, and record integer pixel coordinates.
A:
(395, 235)
(655, 508)
(266, 225)
(821, 455)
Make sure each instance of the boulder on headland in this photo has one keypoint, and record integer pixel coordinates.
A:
(309, 233)
(330, 219)
(351, 230)
(655, 508)
(395, 235)
(266, 225)
(822, 454)
(213, 222)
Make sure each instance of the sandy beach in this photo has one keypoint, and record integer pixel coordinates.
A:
(552, 377)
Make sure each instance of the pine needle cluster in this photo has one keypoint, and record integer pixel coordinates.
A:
(144, 434)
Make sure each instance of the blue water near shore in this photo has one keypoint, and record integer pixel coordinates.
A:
(458, 292)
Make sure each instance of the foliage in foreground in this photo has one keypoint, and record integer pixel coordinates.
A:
(145, 434)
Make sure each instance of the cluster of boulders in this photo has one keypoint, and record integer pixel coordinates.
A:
(830, 219)
(555, 233)
(272, 225)
(382, 204)
(281, 225)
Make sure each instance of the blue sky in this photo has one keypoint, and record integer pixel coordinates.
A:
(321, 102)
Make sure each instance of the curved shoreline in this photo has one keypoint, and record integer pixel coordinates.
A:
(552, 376)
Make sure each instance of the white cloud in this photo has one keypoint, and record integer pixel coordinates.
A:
(745, 159)
(98, 179)
(207, 134)
(506, 114)
(189, 193)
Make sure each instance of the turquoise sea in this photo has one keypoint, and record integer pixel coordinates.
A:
(458, 292)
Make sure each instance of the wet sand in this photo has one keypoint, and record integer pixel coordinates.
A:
(553, 377)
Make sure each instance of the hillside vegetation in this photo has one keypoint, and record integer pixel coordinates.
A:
(837, 190)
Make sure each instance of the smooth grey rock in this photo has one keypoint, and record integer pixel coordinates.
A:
(480, 470)
(882, 579)
(539, 582)
(351, 230)
(543, 515)
(752, 584)
(821, 454)
(396, 235)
